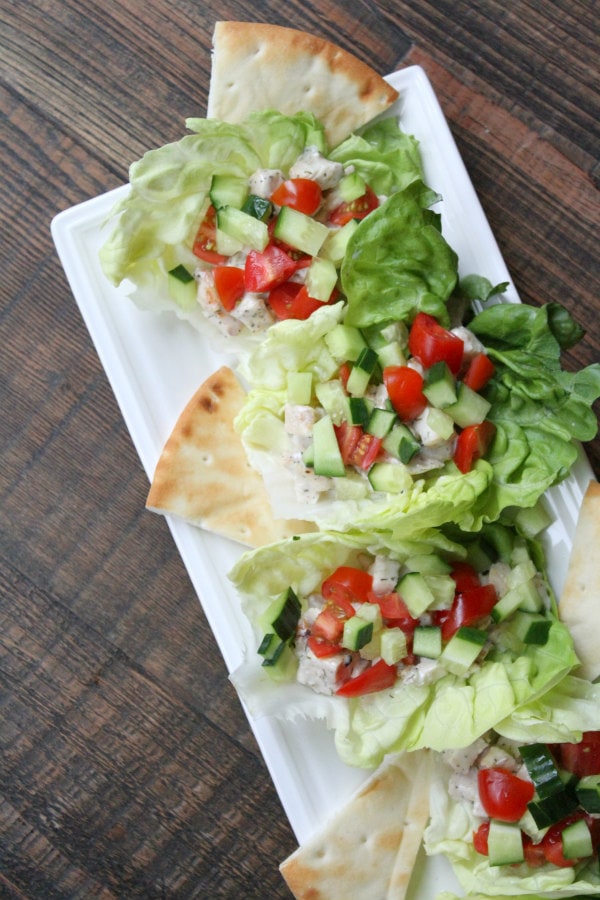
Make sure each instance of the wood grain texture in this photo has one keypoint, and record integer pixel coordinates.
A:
(127, 767)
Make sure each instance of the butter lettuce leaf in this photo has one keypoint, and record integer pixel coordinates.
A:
(383, 155)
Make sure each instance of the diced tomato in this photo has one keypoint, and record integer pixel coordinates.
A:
(582, 758)
(329, 624)
(552, 844)
(479, 372)
(299, 193)
(472, 443)
(392, 606)
(357, 447)
(468, 607)
(321, 648)
(291, 301)
(229, 284)
(347, 585)
(534, 853)
(465, 576)
(480, 838)
(503, 795)
(266, 269)
(345, 370)
(430, 342)
(355, 209)
(205, 242)
(405, 389)
(377, 677)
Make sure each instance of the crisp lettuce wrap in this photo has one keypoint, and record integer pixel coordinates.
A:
(459, 819)
(428, 701)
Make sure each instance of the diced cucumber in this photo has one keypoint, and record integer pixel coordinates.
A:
(378, 336)
(415, 592)
(228, 190)
(351, 187)
(381, 421)
(429, 564)
(357, 633)
(300, 231)
(334, 246)
(391, 354)
(182, 287)
(333, 399)
(401, 443)
(258, 207)
(328, 459)
(439, 385)
(552, 808)
(227, 245)
(321, 279)
(533, 520)
(577, 840)
(470, 408)
(440, 422)
(389, 477)
(246, 229)
(542, 769)
(462, 649)
(286, 614)
(271, 649)
(372, 650)
(443, 588)
(505, 844)
(371, 612)
(427, 641)
(361, 373)
(344, 342)
(360, 411)
(299, 388)
(522, 571)
(352, 487)
(393, 645)
(521, 596)
(532, 628)
(588, 793)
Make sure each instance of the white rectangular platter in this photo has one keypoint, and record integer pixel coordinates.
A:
(155, 363)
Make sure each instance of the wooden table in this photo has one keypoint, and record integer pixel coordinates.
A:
(128, 769)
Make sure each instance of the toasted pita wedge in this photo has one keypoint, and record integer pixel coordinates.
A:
(579, 606)
(203, 475)
(368, 849)
(258, 66)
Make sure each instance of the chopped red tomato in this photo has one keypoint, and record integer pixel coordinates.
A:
(321, 648)
(266, 269)
(479, 372)
(358, 447)
(329, 624)
(229, 284)
(392, 606)
(405, 389)
(299, 193)
(480, 838)
(290, 300)
(347, 585)
(430, 342)
(582, 758)
(377, 677)
(355, 209)
(533, 853)
(345, 370)
(503, 795)
(468, 607)
(552, 843)
(472, 443)
(205, 242)
(464, 576)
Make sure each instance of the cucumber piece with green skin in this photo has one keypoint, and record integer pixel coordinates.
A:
(391, 478)
(542, 769)
(241, 227)
(401, 443)
(257, 207)
(344, 342)
(577, 840)
(182, 287)
(505, 844)
(427, 641)
(271, 649)
(381, 422)
(532, 628)
(299, 231)
(548, 810)
(228, 190)
(360, 411)
(357, 633)
(327, 457)
(588, 793)
(523, 596)
(286, 615)
(470, 408)
(362, 370)
(462, 649)
(439, 385)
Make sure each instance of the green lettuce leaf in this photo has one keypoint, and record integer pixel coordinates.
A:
(397, 263)
(383, 155)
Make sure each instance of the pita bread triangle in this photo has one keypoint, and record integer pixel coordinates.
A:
(256, 66)
(579, 605)
(204, 477)
(368, 848)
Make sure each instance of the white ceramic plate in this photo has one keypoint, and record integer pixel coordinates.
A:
(155, 363)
